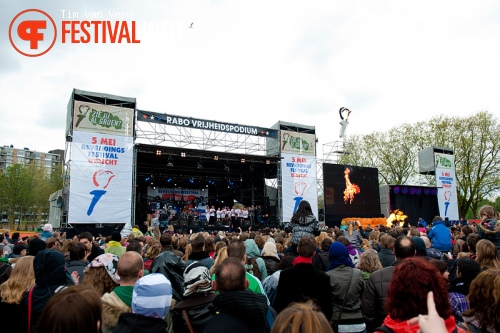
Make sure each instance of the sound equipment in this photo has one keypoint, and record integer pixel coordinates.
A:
(195, 223)
(174, 223)
(204, 223)
(183, 223)
(218, 223)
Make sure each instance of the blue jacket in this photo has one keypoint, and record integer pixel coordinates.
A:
(440, 236)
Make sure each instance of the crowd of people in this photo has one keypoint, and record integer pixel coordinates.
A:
(304, 278)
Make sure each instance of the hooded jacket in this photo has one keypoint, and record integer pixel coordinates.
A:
(440, 236)
(489, 229)
(172, 267)
(303, 227)
(239, 311)
(136, 323)
(50, 277)
(112, 308)
(252, 251)
(5, 269)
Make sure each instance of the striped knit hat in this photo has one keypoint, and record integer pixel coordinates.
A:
(197, 279)
(152, 296)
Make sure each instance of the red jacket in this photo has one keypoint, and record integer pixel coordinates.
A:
(403, 327)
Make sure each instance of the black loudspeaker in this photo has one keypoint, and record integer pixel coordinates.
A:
(174, 223)
(183, 223)
(247, 223)
(204, 223)
(195, 223)
(218, 223)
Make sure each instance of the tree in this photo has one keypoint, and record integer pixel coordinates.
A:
(16, 185)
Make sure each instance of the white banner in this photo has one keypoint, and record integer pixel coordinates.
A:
(298, 143)
(101, 178)
(98, 118)
(298, 183)
(447, 185)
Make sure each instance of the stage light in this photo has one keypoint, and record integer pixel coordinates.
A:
(183, 154)
(268, 162)
(147, 179)
(242, 160)
(216, 158)
(158, 152)
(169, 180)
(199, 165)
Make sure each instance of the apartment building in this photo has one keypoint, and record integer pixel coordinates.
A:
(10, 156)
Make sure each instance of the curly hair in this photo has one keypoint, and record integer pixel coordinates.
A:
(487, 254)
(413, 278)
(484, 299)
(369, 261)
(301, 317)
(153, 250)
(99, 279)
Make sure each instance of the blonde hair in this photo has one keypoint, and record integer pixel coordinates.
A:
(369, 261)
(153, 250)
(301, 318)
(350, 227)
(187, 252)
(221, 255)
(21, 278)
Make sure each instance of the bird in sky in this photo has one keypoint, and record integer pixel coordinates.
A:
(191, 25)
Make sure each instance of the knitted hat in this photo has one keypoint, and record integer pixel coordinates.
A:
(109, 262)
(47, 227)
(196, 279)
(270, 250)
(152, 296)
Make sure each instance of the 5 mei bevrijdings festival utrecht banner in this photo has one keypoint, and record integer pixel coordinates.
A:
(298, 170)
(101, 164)
(447, 185)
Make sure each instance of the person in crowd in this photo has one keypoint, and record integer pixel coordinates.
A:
(377, 287)
(440, 235)
(151, 300)
(301, 317)
(467, 270)
(210, 247)
(101, 274)
(166, 241)
(198, 253)
(270, 283)
(50, 278)
(420, 249)
(303, 281)
(260, 241)
(94, 251)
(254, 262)
(352, 234)
(354, 253)
(386, 254)
(270, 256)
(135, 245)
(151, 253)
(236, 308)
(369, 262)
(441, 267)
(13, 290)
(303, 223)
(221, 255)
(76, 309)
(78, 260)
(115, 247)
(19, 251)
(461, 241)
(5, 267)
(487, 254)
(35, 245)
(130, 268)
(194, 309)
(187, 252)
(374, 240)
(432, 252)
(53, 243)
(347, 289)
(47, 232)
(413, 278)
(483, 297)
(170, 265)
(488, 227)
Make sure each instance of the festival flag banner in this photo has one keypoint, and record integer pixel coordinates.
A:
(101, 178)
(178, 194)
(298, 183)
(298, 143)
(447, 185)
(99, 118)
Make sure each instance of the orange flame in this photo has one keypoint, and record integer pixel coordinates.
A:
(350, 189)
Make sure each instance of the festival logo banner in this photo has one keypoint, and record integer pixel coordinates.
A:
(298, 143)
(447, 185)
(101, 178)
(98, 118)
(298, 183)
(185, 195)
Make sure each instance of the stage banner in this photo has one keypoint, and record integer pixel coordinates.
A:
(101, 178)
(447, 185)
(298, 174)
(178, 194)
(98, 118)
(298, 143)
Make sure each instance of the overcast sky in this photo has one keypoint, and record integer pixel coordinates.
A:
(258, 62)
